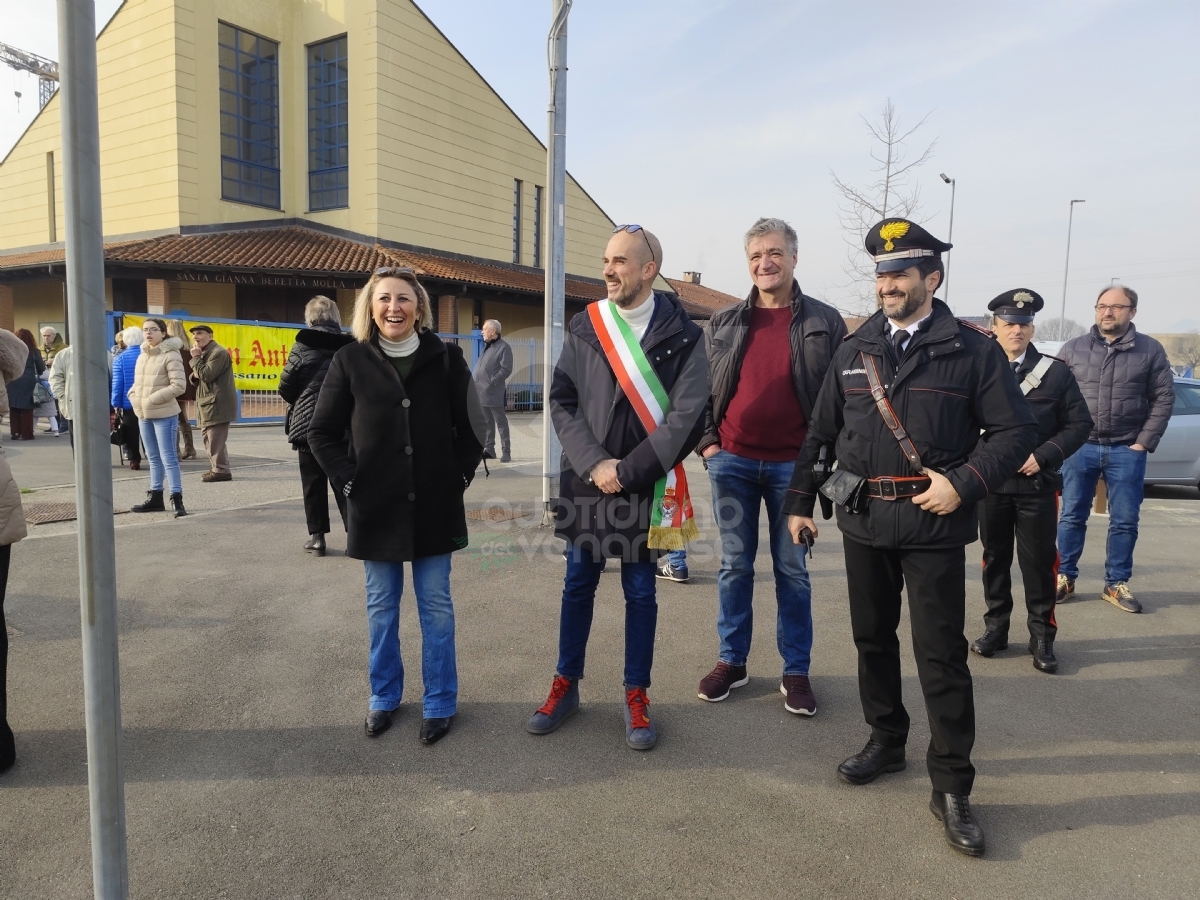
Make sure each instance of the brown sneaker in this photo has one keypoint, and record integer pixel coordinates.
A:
(1120, 596)
(1066, 590)
(798, 691)
(717, 683)
(217, 476)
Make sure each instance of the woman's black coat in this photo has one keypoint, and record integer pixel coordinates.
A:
(413, 449)
(20, 389)
(304, 373)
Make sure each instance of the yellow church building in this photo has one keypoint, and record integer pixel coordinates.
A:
(255, 153)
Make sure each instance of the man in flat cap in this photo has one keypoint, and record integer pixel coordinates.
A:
(1027, 503)
(903, 405)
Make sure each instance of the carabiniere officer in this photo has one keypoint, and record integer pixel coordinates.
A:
(1027, 504)
(945, 381)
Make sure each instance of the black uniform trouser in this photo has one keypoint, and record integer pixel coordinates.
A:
(1034, 520)
(936, 581)
(315, 487)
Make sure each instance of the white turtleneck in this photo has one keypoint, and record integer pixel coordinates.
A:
(406, 347)
(638, 318)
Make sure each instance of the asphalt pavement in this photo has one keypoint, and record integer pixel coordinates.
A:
(243, 670)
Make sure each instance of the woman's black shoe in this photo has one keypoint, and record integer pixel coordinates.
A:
(869, 763)
(154, 503)
(316, 545)
(378, 721)
(433, 730)
(177, 503)
(962, 831)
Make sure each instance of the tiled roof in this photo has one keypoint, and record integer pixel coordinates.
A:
(298, 250)
(699, 301)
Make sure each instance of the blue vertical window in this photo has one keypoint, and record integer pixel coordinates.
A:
(537, 226)
(328, 126)
(249, 71)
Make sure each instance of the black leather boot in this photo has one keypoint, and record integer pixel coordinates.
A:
(153, 503)
(962, 831)
(990, 643)
(869, 763)
(177, 503)
(1043, 655)
(316, 545)
(433, 730)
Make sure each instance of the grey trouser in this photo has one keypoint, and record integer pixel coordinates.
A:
(215, 437)
(497, 420)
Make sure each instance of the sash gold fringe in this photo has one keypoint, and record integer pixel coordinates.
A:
(664, 537)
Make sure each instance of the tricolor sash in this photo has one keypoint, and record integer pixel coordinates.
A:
(672, 523)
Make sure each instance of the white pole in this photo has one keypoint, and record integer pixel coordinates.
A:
(93, 470)
(555, 299)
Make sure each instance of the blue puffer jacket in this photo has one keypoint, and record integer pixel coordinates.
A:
(122, 376)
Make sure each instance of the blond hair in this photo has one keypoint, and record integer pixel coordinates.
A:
(363, 325)
(175, 329)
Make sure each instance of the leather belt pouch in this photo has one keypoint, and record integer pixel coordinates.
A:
(845, 489)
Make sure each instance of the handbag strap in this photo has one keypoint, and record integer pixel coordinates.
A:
(889, 415)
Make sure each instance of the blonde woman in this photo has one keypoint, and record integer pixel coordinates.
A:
(407, 402)
(158, 379)
(175, 329)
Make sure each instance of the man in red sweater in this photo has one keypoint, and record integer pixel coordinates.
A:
(767, 357)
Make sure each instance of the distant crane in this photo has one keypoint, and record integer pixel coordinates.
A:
(45, 69)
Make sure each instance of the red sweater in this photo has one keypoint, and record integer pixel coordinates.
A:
(764, 420)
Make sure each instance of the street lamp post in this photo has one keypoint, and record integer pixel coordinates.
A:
(950, 237)
(1062, 319)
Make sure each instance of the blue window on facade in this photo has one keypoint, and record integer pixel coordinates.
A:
(328, 126)
(249, 70)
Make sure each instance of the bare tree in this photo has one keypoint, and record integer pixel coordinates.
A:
(1057, 329)
(1187, 353)
(892, 193)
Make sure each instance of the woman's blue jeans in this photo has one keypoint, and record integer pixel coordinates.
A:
(1124, 472)
(578, 603)
(439, 668)
(740, 487)
(158, 437)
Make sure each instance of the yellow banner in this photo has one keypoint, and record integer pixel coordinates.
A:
(258, 352)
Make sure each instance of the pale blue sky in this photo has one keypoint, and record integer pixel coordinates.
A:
(693, 117)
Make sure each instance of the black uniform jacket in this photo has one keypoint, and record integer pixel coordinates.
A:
(413, 448)
(1064, 424)
(953, 382)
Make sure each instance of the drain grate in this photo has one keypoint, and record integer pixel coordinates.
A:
(502, 513)
(45, 513)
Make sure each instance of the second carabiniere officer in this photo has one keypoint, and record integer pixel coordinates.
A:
(1027, 504)
(904, 403)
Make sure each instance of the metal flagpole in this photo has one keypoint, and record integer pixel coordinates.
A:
(93, 469)
(1062, 321)
(556, 178)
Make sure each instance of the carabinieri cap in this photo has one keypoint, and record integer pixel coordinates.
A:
(898, 244)
(1017, 306)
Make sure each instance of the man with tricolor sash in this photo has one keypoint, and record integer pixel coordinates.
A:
(627, 402)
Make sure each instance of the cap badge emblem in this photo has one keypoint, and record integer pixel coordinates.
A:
(891, 232)
(1022, 297)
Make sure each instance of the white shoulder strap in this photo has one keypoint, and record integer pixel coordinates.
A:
(1034, 378)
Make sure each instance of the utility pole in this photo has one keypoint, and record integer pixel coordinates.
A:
(1062, 319)
(556, 272)
(953, 182)
(93, 469)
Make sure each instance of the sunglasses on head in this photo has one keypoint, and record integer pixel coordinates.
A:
(634, 229)
(387, 271)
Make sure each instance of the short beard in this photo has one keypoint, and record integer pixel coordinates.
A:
(625, 300)
(913, 301)
(1116, 330)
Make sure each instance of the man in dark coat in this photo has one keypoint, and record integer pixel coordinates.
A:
(1027, 504)
(610, 468)
(216, 400)
(492, 369)
(1127, 382)
(906, 494)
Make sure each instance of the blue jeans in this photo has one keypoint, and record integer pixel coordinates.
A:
(1124, 472)
(439, 669)
(739, 486)
(578, 603)
(678, 559)
(158, 437)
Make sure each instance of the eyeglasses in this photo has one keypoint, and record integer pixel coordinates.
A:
(634, 229)
(1103, 309)
(387, 271)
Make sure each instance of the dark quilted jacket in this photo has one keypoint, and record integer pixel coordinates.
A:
(1128, 386)
(304, 373)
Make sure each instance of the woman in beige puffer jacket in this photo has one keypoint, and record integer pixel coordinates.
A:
(158, 379)
(13, 353)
